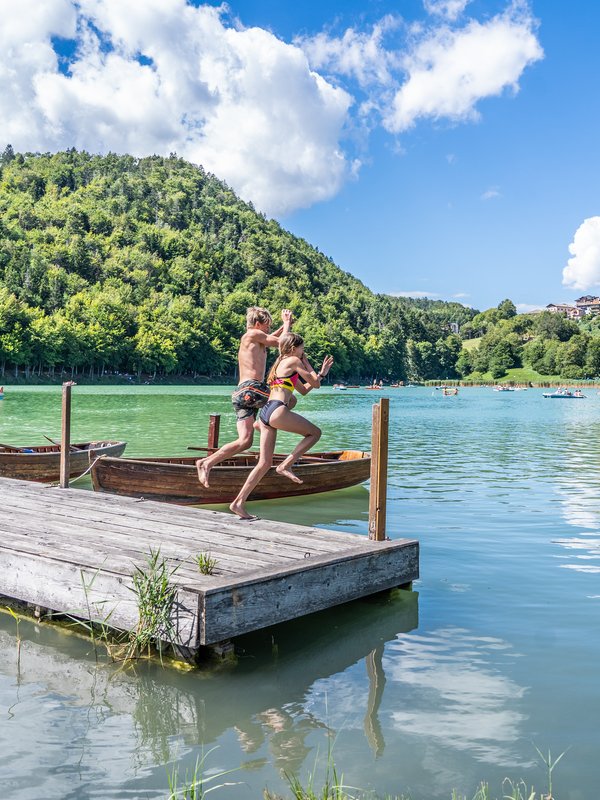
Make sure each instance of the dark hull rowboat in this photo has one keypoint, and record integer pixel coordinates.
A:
(175, 480)
(42, 463)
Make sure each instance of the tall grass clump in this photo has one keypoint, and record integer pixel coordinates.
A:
(196, 785)
(155, 597)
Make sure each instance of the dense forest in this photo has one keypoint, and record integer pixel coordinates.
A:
(146, 266)
(112, 264)
(543, 344)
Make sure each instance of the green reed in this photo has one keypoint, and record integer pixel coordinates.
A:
(196, 785)
(155, 597)
(206, 564)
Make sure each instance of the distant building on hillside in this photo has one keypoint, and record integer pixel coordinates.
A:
(588, 304)
(572, 312)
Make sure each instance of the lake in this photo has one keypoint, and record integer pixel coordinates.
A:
(495, 652)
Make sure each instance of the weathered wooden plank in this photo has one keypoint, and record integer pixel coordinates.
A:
(200, 518)
(66, 532)
(86, 593)
(56, 543)
(119, 562)
(156, 532)
(254, 603)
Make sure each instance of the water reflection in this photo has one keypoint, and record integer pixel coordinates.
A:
(266, 700)
(466, 703)
(578, 487)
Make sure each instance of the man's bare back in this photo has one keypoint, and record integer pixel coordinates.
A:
(252, 355)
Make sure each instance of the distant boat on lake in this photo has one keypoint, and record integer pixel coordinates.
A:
(565, 394)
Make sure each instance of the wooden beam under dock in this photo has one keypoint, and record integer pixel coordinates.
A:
(75, 552)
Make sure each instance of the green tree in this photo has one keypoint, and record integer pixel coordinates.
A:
(507, 309)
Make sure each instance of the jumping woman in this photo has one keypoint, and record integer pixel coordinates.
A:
(291, 371)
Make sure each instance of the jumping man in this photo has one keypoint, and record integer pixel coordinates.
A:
(252, 392)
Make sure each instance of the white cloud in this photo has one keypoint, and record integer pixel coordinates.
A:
(355, 54)
(583, 270)
(527, 308)
(157, 76)
(240, 102)
(450, 71)
(490, 193)
(450, 9)
(460, 296)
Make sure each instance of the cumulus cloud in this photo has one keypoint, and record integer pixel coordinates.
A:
(583, 269)
(155, 76)
(449, 71)
(357, 54)
(278, 121)
(449, 9)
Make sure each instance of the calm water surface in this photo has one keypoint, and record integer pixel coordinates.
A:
(496, 650)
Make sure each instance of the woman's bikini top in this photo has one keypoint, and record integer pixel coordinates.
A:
(285, 382)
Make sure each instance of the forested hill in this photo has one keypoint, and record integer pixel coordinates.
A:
(148, 265)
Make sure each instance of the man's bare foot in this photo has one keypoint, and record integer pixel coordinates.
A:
(287, 473)
(240, 511)
(203, 473)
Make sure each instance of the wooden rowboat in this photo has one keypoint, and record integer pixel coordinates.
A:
(42, 462)
(175, 480)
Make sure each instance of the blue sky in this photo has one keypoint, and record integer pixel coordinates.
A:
(439, 147)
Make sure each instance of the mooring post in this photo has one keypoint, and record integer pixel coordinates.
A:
(213, 432)
(65, 438)
(379, 464)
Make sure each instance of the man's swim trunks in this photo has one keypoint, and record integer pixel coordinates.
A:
(249, 397)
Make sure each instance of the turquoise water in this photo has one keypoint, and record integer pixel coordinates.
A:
(495, 651)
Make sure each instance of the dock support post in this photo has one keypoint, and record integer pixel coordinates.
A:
(65, 438)
(213, 432)
(379, 464)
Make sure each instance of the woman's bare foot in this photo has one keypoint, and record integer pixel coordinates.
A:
(239, 510)
(287, 473)
(203, 472)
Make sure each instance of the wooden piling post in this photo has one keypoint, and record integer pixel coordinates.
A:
(213, 432)
(379, 465)
(65, 438)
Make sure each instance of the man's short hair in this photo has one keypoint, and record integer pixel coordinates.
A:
(257, 315)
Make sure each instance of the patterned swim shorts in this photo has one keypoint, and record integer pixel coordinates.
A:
(249, 397)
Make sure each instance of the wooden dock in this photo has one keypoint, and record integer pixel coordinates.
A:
(74, 552)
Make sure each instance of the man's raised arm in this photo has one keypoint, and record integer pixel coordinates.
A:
(287, 317)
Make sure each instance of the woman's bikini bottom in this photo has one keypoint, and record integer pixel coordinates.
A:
(268, 409)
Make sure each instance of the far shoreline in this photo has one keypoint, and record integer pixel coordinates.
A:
(230, 380)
